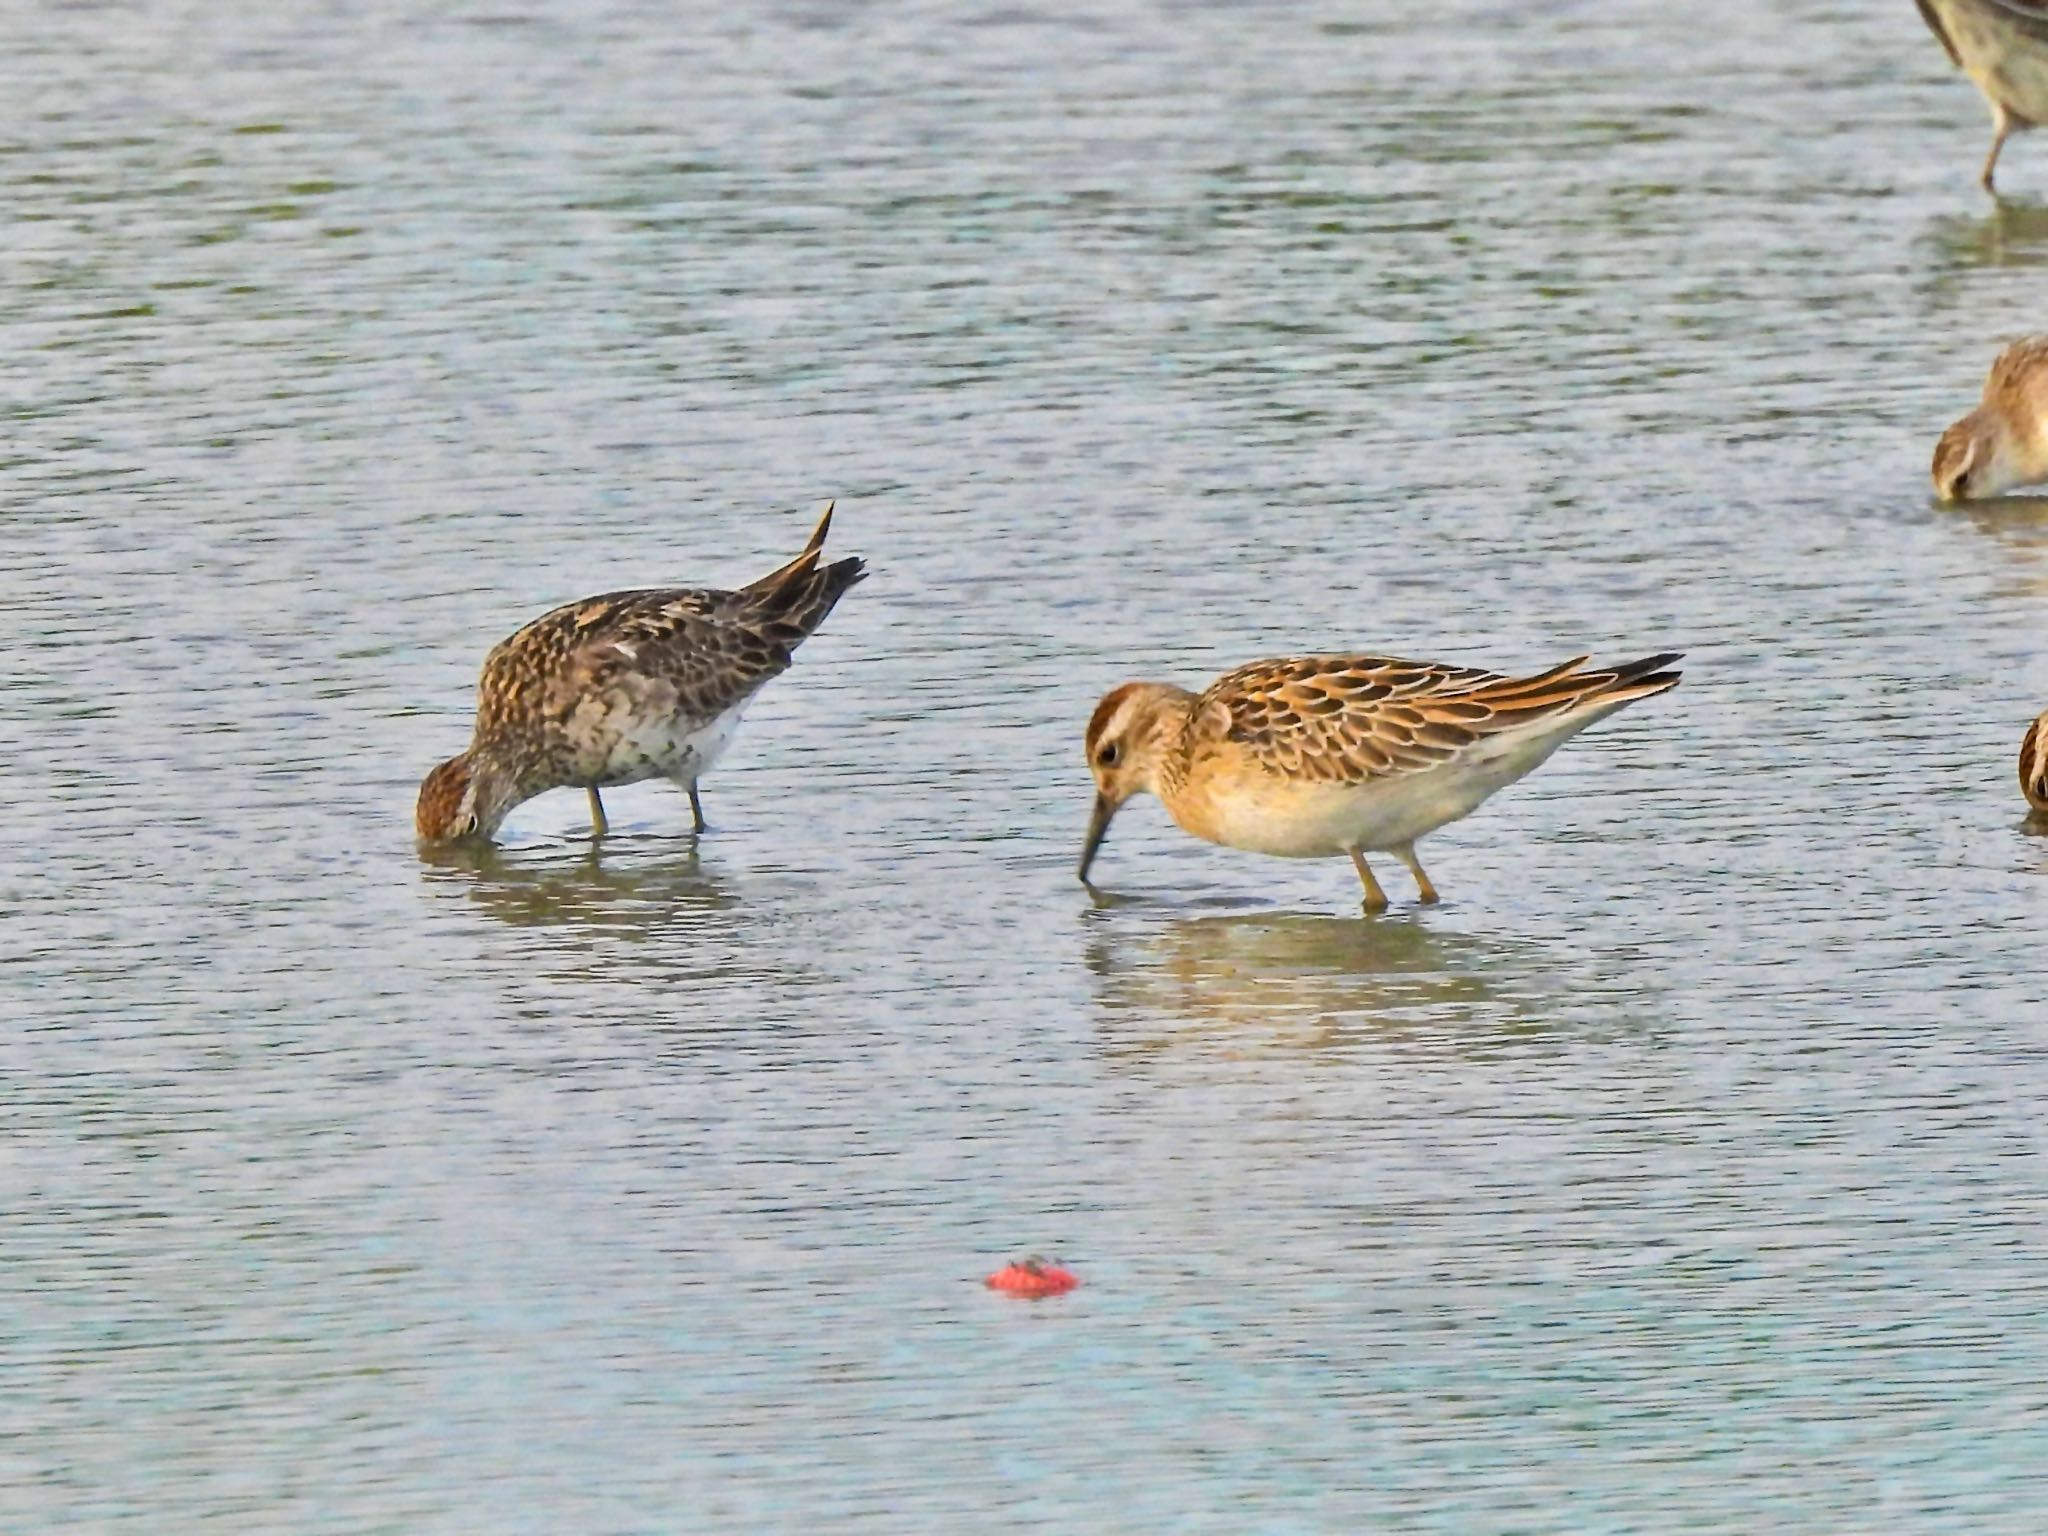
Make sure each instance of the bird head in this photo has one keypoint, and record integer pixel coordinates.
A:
(1128, 736)
(463, 798)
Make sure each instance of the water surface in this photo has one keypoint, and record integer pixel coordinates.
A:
(1682, 1171)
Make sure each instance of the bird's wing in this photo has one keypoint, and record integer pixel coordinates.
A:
(2026, 16)
(2030, 16)
(1354, 719)
(2015, 366)
(1932, 17)
(2034, 764)
(699, 643)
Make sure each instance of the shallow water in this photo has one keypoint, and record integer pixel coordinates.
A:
(1682, 1171)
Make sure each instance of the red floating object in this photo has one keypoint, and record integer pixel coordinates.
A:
(1033, 1277)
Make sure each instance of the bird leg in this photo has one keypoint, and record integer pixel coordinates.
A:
(696, 807)
(598, 825)
(1407, 856)
(2002, 125)
(1375, 898)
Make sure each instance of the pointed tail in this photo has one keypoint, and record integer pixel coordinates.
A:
(1567, 689)
(803, 562)
(795, 598)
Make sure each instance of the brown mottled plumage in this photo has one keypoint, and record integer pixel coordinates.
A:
(624, 687)
(2003, 443)
(2002, 45)
(1320, 756)
(2034, 765)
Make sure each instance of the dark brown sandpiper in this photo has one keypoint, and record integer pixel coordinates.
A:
(623, 687)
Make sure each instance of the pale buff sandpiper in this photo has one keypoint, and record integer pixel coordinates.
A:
(2002, 45)
(1312, 757)
(624, 687)
(2003, 443)
(2034, 765)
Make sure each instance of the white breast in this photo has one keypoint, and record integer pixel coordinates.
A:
(671, 748)
(1307, 819)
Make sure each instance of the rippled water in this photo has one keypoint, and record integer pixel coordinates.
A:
(1682, 1171)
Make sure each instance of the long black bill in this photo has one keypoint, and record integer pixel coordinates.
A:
(1098, 829)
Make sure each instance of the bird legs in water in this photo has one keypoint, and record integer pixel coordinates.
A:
(1375, 898)
(1406, 854)
(2002, 124)
(599, 825)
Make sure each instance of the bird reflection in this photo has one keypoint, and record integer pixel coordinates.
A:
(2018, 520)
(2015, 235)
(645, 938)
(2020, 524)
(615, 894)
(1303, 979)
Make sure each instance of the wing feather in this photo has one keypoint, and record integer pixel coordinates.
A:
(2014, 368)
(1351, 719)
(1932, 17)
(706, 648)
(2030, 16)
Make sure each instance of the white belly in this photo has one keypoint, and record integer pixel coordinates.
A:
(1306, 820)
(669, 749)
(1321, 821)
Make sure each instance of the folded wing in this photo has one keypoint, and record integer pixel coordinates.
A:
(2027, 16)
(1352, 719)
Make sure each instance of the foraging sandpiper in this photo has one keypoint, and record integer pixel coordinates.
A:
(623, 687)
(2003, 443)
(1327, 756)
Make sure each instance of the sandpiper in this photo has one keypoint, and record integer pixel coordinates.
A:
(2034, 765)
(1313, 757)
(623, 687)
(2004, 442)
(2002, 45)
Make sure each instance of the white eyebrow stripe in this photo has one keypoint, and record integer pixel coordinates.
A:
(1120, 722)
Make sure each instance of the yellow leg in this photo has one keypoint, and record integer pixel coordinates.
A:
(2002, 123)
(1375, 898)
(696, 808)
(1407, 856)
(598, 825)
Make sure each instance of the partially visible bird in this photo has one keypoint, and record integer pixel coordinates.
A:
(623, 687)
(2002, 45)
(2003, 443)
(1312, 757)
(2034, 765)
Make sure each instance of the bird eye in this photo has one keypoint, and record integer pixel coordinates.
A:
(1108, 754)
(469, 827)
